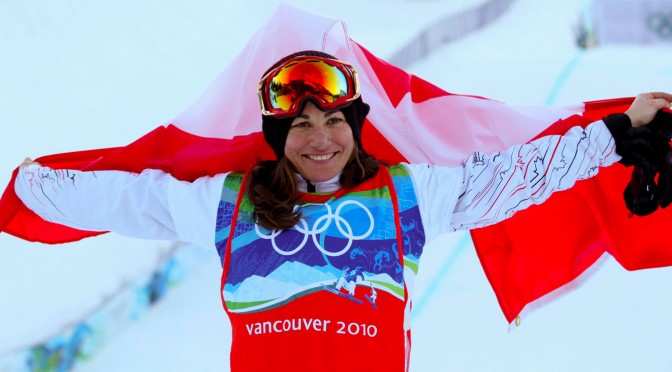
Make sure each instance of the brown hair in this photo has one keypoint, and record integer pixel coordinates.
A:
(272, 189)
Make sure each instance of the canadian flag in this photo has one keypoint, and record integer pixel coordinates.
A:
(527, 257)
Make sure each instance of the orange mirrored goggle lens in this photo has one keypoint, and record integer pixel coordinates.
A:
(329, 82)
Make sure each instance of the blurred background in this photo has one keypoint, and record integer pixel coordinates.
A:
(76, 75)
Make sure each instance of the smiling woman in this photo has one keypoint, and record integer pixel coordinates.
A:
(325, 234)
(315, 134)
(319, 143)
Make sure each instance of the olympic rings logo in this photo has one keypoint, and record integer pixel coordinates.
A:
(660, 24)
(320, 226)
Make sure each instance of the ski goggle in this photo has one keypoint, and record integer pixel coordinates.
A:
(329, 82)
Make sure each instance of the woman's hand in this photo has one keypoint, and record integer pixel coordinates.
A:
(28, 161)
(645, 107)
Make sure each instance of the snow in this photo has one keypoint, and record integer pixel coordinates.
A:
(104, 73)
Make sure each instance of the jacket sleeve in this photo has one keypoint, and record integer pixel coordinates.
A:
(150, 205)
(487, 189)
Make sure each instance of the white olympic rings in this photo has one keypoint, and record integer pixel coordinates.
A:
(321, 225)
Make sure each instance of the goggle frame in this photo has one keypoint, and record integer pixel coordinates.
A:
(351, 77)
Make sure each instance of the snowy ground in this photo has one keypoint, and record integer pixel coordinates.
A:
(75, 75)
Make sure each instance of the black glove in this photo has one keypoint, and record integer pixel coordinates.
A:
(633, 144)
(640, 192)
(645, 148)
(661, 125)
(663, 191)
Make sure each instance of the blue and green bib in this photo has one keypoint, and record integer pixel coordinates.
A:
(334, 283)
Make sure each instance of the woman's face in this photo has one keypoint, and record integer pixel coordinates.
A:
(319, 143)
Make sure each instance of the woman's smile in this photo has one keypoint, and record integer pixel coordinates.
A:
(321, 157)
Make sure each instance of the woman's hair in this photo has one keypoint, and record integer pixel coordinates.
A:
(271, 187)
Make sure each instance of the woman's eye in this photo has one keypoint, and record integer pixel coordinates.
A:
(301, 124)
(335, 120)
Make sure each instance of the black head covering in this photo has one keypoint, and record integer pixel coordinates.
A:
(276, 129)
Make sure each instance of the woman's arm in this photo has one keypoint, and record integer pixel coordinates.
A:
(492, 188)
(487, 189)
(495, 187)
(151, 205)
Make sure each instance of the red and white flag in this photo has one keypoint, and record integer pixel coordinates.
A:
(527, 257)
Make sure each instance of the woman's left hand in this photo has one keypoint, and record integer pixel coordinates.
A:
(646, 105)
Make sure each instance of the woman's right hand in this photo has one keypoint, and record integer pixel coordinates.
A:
(28, 161)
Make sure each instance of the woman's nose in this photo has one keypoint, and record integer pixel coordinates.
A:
(320, 137)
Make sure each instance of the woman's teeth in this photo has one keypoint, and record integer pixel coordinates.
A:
(322, 157)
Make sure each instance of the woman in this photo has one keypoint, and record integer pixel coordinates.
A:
(320, 247)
